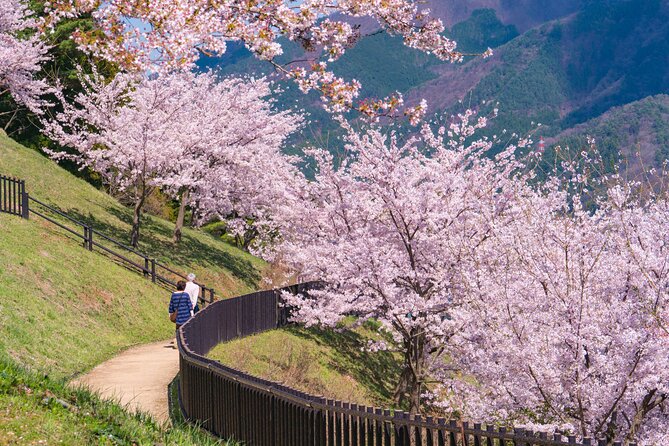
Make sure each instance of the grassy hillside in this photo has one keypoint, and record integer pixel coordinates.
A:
(322, 362)
(64, 309)
(228, 270)
(35, 410)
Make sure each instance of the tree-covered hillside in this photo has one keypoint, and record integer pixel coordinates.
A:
(562, 73)
(638, 128)
(381, 62)
(569, 71)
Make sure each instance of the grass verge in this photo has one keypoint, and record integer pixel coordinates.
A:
(332, 363)
(64, 309)
(36, 410)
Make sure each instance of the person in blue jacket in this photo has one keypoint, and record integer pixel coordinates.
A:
(180, 304)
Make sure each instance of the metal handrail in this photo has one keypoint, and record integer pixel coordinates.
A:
(22, 208)
(52, 209)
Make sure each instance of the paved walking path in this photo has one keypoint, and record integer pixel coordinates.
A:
(138, 377)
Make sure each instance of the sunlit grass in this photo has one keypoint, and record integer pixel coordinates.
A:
(229, 270)
(332, 363)
(36, 410)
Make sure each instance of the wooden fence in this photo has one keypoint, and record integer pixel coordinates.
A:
(15, 200)
(257, 412)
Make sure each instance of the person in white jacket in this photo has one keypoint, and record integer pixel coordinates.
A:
(193, 291)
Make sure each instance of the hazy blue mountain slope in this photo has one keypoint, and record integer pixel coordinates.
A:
(591, 56)
(382, 63)
(524, 14)
(564, 72)
(639, 128)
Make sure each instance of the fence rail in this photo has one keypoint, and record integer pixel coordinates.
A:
(233, 404)
(15, 200)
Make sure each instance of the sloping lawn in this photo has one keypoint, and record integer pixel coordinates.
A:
(229, 270)
(332, 363)
(64, 309)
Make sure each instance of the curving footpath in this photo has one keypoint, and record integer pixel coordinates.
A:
(137, 378)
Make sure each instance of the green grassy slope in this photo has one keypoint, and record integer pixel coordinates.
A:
(227, 269)
(35, 410)
(64, 309)
(322, 362)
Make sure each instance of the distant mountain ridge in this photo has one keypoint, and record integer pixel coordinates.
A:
(574, 61)
(524, 14)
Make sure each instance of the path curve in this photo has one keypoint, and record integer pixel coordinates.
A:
(137, 378)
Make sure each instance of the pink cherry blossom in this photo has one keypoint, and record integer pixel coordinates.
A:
(21, 57)
(178, 132)
(509, 298)
(386, 228)
(565, 325)
(165, 35)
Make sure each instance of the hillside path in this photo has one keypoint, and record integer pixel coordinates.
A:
(137, 377)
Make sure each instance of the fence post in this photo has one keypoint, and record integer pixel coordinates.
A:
(211, 295)
(146, 267)
(277, 309)
(86, 237)
(25, 207)
(90, 239)
(153, 270)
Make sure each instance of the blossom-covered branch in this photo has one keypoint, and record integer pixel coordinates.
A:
(386, 231)
(168, 35)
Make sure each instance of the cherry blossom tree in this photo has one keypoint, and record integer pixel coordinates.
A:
(171, 34)
(246, 184)
(565, 321)
(21, 56)
(386, 231)
(232, 162)
(511, 299)
(177, 132)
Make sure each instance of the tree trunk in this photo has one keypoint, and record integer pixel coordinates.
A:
(136, 216)
(249, 236)
(180, 217)
(650, 402)
(410, 384)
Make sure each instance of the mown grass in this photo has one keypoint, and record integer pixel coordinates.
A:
(332, 363)
(36, 410)
(229, 270)
(64, 309)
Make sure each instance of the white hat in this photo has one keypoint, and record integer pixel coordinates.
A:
(191, 277)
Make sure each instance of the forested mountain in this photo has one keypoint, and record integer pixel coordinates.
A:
(560, 64)
(523, 14)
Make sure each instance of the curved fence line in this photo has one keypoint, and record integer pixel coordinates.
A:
(232, 404)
